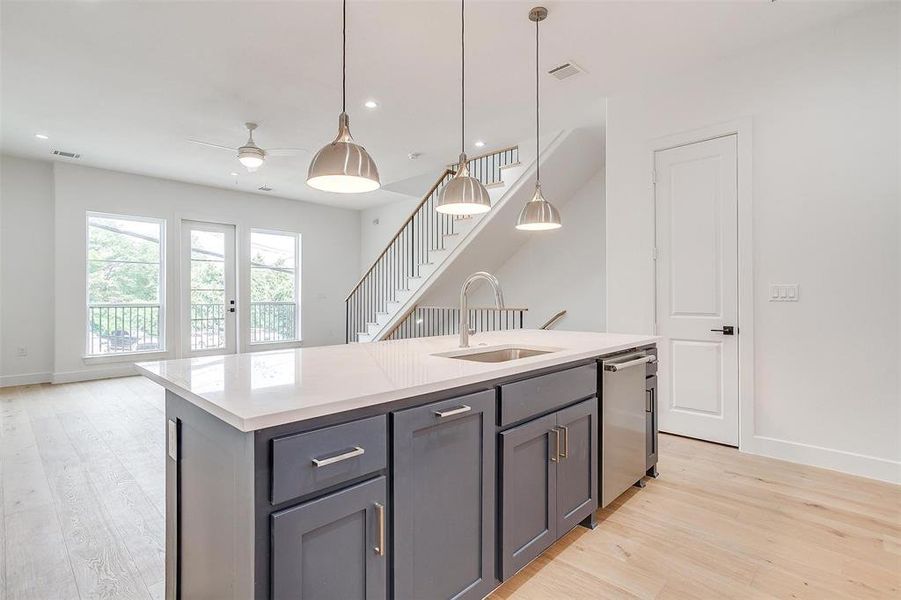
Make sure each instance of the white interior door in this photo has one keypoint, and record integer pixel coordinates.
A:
(697, 289)
(208, 288)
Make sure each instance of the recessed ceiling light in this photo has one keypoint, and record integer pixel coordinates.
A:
(414, 155)
(233, 174)
(41, 136)
(371, 104)
(480, 144)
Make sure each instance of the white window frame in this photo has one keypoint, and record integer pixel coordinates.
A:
(298, 330)
(87, 291)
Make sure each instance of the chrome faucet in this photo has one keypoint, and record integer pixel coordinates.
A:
(465, 331)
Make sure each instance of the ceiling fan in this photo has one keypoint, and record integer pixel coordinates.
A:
(250, 155)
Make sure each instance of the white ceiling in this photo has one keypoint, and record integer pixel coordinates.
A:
(124, 83)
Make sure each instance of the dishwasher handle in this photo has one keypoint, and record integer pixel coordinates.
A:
(613, 367)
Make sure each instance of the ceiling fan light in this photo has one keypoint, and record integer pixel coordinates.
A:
(251, 157)
(343, 166)
(538, 214)
(463, 194)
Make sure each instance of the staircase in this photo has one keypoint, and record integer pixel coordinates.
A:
(425, 240)
(432, 253)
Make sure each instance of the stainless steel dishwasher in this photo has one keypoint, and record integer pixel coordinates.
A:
(623, 423)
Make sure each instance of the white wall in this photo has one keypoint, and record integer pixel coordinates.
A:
(824, 110)
(378, 226)
(563, 269)
(26, 270)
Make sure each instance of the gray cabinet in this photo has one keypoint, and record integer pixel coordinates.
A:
(577, 467)
(444, 499)
(333, 547)
(528, 492)
(549, 470)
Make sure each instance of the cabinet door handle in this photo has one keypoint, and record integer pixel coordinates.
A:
(565, 430)
(454, 411)
(380, 518)
(556, 456)
(324, 462)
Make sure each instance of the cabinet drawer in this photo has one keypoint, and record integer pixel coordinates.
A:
(307, 462)
(523, 399)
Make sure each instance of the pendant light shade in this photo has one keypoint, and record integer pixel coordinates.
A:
(538, 214)
(463, 194)
(343, 166)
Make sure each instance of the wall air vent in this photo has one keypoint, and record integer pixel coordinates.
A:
(264, 188)
(65, 154)
(566, 70)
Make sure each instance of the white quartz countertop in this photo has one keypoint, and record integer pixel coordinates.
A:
(264, 389)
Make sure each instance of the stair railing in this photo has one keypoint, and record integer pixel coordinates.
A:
(425, 321)
(553, 320)
(422, 233)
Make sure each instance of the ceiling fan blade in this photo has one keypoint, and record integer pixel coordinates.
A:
(212, 145)
(286, 151)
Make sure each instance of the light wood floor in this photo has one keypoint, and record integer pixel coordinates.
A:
(82, 498)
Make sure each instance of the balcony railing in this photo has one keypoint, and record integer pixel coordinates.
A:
(120, 328)
(273, 322)
(425, 321)
(207, 326)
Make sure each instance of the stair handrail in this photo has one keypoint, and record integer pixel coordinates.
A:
(400, 229)
(452, 166)
(553, 320)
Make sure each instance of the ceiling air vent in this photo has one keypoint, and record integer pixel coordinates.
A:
(566, 70)
(65, 154)
(264, 188)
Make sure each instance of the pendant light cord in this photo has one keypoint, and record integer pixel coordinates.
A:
(462, 78)
(537, 112)
(344, 57)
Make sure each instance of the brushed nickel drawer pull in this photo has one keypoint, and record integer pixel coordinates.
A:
(565, 452)
(556, 456)
(380, 515)
(324, 462)
(454, 411)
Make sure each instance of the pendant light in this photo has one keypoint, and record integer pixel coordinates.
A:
(463, 194)
(343, 166)
(538, 214)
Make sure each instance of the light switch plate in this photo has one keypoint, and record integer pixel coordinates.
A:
(784, 292)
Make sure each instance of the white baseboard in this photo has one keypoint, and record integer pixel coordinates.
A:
(25, 379)
(872, 467)
(107, 372)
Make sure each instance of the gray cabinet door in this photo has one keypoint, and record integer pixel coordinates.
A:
(333, 547)
(444, 499)
(577, 469)
(528, 492)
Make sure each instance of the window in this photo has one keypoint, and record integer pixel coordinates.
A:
(125, 284)
(274, 288)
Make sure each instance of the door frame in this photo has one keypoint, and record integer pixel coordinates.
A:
(183, 300)
(741, 128)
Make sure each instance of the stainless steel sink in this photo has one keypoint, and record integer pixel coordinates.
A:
(497, 355)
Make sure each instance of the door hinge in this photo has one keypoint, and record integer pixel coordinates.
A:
(654, 253)
(654, 176)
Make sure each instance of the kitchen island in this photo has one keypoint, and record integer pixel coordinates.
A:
(404, 469)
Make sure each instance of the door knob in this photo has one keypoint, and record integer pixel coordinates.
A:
(726, 330)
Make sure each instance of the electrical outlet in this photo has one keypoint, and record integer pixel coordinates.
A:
(784, 292)
(21, 351)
